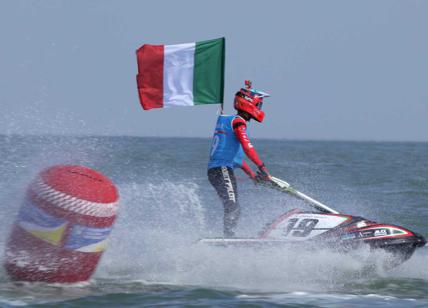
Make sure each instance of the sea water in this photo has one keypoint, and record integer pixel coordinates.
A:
(167, 203)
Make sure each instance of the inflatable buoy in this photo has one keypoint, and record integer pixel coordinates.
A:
(62, 227)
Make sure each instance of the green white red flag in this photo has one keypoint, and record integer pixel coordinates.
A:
(181, 75)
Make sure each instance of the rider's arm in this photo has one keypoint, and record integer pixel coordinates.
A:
(240, 129)
(248, 170)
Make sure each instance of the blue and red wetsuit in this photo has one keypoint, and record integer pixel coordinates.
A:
(229, 147)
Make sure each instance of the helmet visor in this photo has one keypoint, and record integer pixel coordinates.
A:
(259, 105)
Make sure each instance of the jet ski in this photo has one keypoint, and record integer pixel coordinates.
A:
(327, 228)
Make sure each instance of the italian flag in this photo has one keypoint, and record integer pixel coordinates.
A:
(181, 75)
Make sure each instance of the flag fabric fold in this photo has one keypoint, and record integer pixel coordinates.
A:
(182, 74)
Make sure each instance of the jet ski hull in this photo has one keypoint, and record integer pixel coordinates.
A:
(342, 233)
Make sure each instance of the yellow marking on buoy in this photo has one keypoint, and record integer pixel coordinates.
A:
(52, 236)
(97, 247)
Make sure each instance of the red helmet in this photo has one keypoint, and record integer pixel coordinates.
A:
(250, 101)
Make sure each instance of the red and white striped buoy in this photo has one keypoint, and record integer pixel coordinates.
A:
(62, 227)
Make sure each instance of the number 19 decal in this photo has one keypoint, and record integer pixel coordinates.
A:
(299, 227)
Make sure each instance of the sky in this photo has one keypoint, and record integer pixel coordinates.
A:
(336, 70)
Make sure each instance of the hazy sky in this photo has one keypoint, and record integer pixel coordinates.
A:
(355, 70)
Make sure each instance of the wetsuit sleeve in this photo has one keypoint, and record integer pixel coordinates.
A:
(248, 170)
(240, 129)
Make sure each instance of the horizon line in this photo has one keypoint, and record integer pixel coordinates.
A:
(200, 137)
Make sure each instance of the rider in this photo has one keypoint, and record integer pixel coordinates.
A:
(230, 142)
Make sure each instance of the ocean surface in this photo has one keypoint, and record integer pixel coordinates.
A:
(166, 204)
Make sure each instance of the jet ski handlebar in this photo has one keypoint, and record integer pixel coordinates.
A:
(283, 186)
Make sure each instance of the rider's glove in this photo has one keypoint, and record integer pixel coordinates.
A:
(263, 174)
